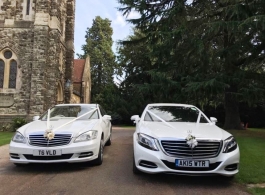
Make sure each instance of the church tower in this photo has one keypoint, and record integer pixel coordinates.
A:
(36, 56)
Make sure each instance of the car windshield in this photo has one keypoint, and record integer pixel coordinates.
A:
(71, 111)
(173, 114)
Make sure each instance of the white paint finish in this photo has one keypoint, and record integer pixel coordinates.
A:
(179, 131)
(159, 129)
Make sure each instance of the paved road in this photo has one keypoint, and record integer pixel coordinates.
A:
(114, 176)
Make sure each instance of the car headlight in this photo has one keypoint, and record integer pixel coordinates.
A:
(230, 144)
(89, 135)
(19, 138)
(147, 142)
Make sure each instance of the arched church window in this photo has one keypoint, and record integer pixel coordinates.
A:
(28, 7)
(2, 69)
(13, 74)
(8, 69)
(59, 93)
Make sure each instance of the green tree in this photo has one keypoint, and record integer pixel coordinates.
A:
(142, 84)
(212, 50)
(135, 62)
(102, 59)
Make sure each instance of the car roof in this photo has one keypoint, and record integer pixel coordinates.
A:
(171, 104)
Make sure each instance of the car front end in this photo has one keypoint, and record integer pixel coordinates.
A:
(171, 155)
(35, 148)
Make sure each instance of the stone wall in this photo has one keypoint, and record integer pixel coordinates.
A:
(69, 40)
(21, 45)
(42, 38)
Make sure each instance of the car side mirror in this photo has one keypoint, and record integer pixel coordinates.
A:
(213, 119)
(107, 117)
(35, 118)
(135, 118)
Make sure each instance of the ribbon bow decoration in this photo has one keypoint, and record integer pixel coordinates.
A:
(191, 141)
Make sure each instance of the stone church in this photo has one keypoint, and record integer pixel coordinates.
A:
(36, 56)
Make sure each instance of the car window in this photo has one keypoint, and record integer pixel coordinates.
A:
(71, 111)
(173, 114)
(102, 111)
(94, 115)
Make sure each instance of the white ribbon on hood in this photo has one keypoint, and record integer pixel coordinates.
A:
(197, 123)
(49, 133)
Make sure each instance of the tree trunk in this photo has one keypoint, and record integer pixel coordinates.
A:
(232, 117)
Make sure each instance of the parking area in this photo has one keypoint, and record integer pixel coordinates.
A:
(114, 176)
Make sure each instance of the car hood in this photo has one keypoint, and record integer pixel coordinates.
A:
(180, 130)
(76, 127)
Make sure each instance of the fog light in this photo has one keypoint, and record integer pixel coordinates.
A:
(231, 167)
(85, 154)
(15, 156)
(147, 164)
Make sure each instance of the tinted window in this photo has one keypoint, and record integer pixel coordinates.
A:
(173, 114)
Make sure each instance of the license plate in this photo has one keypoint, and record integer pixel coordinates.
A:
(191, 163)
(47, 152)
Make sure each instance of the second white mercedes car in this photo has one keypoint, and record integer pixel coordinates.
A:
(180, 139)
(65, 133)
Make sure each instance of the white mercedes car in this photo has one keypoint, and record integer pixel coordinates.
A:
(180, 139)
(65, 133)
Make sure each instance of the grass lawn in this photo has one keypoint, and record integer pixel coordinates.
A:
(257, 191)
(5, 137)
(252, 157)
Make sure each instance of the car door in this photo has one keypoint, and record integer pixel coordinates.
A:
(105, 124)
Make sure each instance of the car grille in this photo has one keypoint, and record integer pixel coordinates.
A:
(58, 140)
(204, 149)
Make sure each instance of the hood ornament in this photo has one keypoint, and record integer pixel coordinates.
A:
(191, 141)
(49, 134)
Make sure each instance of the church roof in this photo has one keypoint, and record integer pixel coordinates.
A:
(79, 65)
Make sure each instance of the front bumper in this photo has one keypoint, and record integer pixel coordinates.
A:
(149, 161)
(71, 153)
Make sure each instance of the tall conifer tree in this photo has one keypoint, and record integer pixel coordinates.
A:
(102, 60)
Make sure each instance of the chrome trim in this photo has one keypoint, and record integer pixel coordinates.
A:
(146, 165)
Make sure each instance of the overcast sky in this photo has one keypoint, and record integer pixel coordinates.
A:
(87, 10)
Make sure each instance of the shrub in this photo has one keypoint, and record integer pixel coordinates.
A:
(6, 127)
(18, 122)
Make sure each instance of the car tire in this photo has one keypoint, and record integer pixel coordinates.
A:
(135, 170)
(98, 161)
(108, 143)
